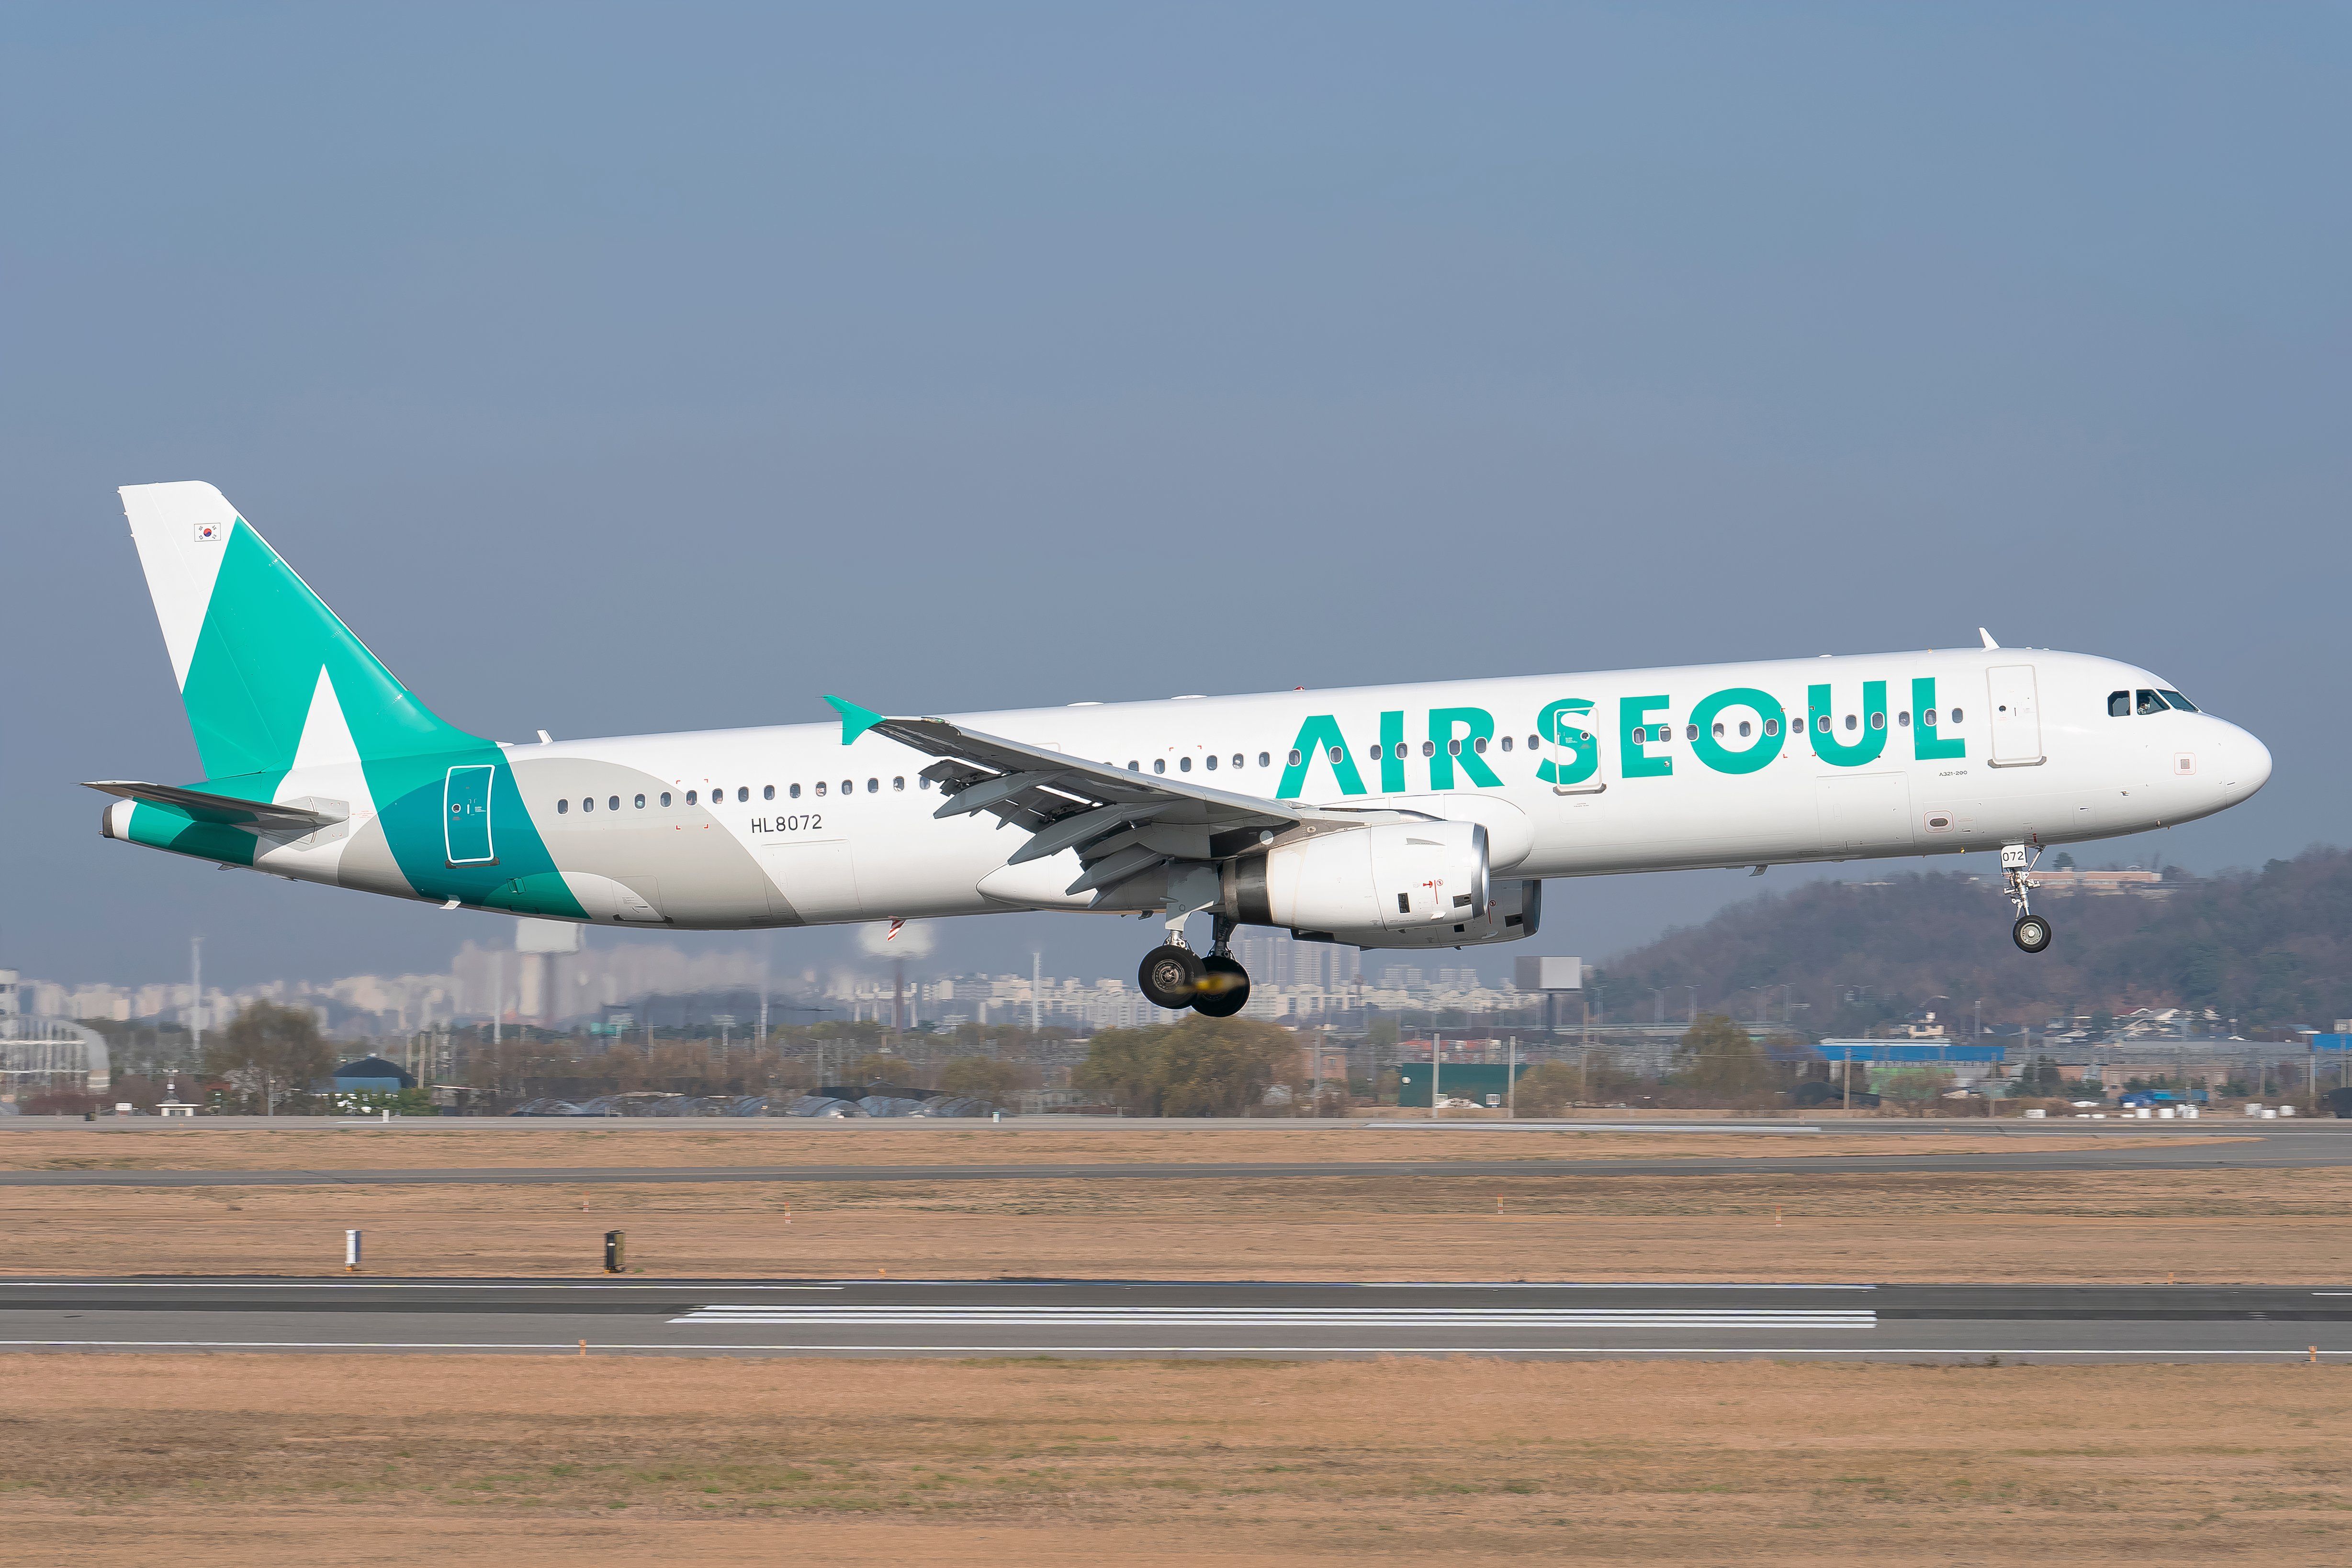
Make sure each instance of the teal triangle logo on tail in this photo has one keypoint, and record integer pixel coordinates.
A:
(272, 680)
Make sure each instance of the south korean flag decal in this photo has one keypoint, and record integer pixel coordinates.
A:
(211, 533)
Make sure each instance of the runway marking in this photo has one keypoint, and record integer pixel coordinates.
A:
(1592, 1127)
(568, 1347)
(1293, 1317)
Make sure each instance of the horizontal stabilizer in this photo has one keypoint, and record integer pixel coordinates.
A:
(305, 816)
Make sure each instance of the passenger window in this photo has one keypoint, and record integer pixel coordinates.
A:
(820, 792)
(1879, 721)
(1183, 765)
(1131, 768)
(1535, 743)
(922, 781)
(1718, 729)
(614, 804)
(1690, 732)
(1479, 746)
(874, 785)
(899, 782)
(849, 785)
(767, 791)
(2119, 704)
(665, 796)
(744, 792)
(562, 807)
(1903, 719)
(1928, 716)
(1507, 743)
(2149, 702)
(1429, 748)
(588, 804)
(793, 791)
(1955, 716)
(1852, 722)
(1238, 759)
(1294, 757)
(1210, 762)
(2176, 700)
(1264, 759)
(1337, 755)
(1159, 764)
(1772, 726)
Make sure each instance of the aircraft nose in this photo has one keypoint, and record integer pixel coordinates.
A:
(2246, 763)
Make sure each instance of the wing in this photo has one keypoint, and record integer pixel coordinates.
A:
(1122, 823)
(305, 816)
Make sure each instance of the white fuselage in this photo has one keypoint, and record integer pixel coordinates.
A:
(1617, 771)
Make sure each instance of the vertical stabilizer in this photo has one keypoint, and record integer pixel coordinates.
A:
(252, 647)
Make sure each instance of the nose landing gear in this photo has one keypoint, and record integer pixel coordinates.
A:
(2031, 932)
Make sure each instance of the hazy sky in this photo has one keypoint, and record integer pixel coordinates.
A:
(615, 369)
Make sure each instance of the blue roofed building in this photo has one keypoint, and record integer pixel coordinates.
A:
(371, 1074)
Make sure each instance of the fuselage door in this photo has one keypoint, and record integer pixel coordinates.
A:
(1863, 813)
(466, 816)
(2016, 716)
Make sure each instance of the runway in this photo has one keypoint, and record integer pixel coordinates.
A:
(1127, 1319)
(2171, 1146)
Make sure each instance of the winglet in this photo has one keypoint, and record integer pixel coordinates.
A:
(1980, 632)
(855, 720)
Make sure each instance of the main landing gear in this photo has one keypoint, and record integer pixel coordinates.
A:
(2031, 932)
(1175, 977)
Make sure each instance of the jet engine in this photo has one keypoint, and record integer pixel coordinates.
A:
(1390, 878)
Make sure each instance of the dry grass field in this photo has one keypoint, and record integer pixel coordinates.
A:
(315, 1143)
(329, 1463)
(2278, 1227)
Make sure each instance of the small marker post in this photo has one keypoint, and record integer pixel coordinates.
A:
(583, 1347)
(350, 1252)
(616, 1251)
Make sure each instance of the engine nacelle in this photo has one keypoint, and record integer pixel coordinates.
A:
(1515, 911)
(1390, 878)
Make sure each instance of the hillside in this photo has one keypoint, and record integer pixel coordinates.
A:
(2270, 948)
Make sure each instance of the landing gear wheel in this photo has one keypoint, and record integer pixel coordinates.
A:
(2031, 933)
(1225, 990)
(1170, 976)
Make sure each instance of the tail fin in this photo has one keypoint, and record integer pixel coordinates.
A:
(269, 674)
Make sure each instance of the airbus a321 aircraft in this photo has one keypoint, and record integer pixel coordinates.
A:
(1416, 816)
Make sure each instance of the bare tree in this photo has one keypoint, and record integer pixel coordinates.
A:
(267, 1049)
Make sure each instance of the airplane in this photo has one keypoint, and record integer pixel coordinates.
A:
(1393, 817)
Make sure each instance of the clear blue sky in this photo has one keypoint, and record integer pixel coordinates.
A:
(617, 370)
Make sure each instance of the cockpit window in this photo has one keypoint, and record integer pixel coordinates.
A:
(2119, 704)
(2149, 702)
(2176, 700)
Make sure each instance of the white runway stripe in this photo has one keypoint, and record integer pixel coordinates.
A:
(1284, 1317)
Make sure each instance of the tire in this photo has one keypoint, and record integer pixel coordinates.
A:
(1224, 989)
(1170, 976)
(2032, 934)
